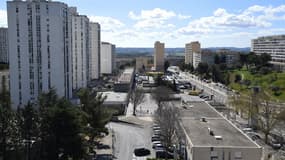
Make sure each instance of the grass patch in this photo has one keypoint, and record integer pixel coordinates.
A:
(267, 82)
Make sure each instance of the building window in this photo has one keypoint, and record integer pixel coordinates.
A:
(238, 155)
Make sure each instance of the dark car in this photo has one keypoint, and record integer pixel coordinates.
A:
(162, 153)
(141, 152)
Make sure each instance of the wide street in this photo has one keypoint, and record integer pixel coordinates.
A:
(220, 94)
(128, 137)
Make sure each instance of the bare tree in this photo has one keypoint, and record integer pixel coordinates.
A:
(268, 118)
(161, 94)
(137, 98)
(167, 118)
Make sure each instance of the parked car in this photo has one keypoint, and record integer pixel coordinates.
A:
(157, 145)
(140, 152)
(245, 130)
(162, 153)
(253, 135)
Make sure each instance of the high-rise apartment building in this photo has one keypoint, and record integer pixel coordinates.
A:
(272, 45)
(4, 58)
(190, 48)
(107, 58)
(159, 56)
(95, 49)
(39, 49)
(80, 49)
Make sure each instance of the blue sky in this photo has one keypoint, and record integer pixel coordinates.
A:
(215, 23)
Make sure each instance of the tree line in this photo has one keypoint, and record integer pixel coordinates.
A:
(261, 112)
(218, 71)
(51, 128)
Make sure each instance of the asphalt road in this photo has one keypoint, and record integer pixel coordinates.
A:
(128, 137)
(220, 95)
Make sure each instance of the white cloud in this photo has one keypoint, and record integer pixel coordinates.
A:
(107, 23)
(180, 16)
(253, 17)
(153, 19)
(156, 13)
(3, 18)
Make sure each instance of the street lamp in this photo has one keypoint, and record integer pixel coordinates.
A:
(29, 145)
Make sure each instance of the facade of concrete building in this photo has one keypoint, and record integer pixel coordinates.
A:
(159, 56)
(272, 45)
(95, 49)
(190, 49)
(205, 56)
(141, 62)
(107, 58)
(206, 134)
(4, 58)
(80, 49)
(39, 49)
(229, 57)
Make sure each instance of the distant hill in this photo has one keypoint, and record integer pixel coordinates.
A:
(245, 49)
(171, 51)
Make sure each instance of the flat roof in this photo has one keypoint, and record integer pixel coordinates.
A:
(198, 131)
(115, 97)
(126, 76)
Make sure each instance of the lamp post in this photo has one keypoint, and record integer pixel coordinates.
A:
(29, 145)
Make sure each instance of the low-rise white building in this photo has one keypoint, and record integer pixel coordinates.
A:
(206, 134)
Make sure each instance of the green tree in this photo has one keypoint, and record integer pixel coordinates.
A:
(203, 69)
(29, 126)
(60, 131)
(48, 99)
(95, 116)
(7, 121)
(216, 73)
(244, 60)
(265, 58)
(166, 65)
(237, 78)
(217, 59)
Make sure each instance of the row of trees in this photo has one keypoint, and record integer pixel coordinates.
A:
(216, 72)
(261, 112)
(167, 115)
(52, 128)
(253, 60)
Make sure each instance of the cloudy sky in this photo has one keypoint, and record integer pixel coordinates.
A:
(138, 23)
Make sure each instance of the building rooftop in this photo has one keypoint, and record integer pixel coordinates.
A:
(199, 132)
(115, 98)
(126, 76)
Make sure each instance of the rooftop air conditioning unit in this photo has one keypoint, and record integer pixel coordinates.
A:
(218, 137)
